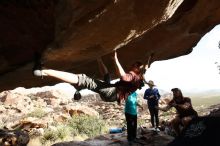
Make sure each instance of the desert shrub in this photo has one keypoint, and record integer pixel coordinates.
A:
(87, 125)
(141, 121)
(37, 112)
(49, 135)
(80, 125)
(63, 131)
(58, 134)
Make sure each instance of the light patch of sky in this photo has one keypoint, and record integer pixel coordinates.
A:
(196, 71)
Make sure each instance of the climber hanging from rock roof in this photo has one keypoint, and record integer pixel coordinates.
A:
(128, 83)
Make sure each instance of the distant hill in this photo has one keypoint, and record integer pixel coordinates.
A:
(211, 100)
(204, 93)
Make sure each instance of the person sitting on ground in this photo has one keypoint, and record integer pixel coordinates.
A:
(128, 83)
(185, 111)
(152, 96)
(131, 116)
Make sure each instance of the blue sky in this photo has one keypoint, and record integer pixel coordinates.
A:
(194, 72)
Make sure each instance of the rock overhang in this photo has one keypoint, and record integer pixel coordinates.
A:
(72, 34)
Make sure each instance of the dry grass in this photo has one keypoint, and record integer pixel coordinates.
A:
(35, 142)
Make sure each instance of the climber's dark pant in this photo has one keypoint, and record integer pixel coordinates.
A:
(131, 126)
(105, 89)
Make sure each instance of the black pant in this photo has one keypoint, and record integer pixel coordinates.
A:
(106, 90)
(154, 114)
(131, 126)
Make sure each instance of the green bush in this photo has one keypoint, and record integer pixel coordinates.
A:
(63, 132)
(141, 121)
(37, 112)
(60, 133)
(49, 135)
(87, 125)
(80, 125)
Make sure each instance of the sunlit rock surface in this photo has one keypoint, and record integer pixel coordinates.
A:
(71, 34)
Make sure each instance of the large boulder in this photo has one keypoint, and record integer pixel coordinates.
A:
(202, 131)
(71, 34)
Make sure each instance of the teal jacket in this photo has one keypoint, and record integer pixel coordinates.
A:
(131, 104)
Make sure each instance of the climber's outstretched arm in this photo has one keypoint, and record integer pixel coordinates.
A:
(118, 65)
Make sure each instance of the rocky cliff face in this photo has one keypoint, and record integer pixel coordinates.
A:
(71, 34)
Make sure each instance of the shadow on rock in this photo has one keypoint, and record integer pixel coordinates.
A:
(203, 131)
(13, 137)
